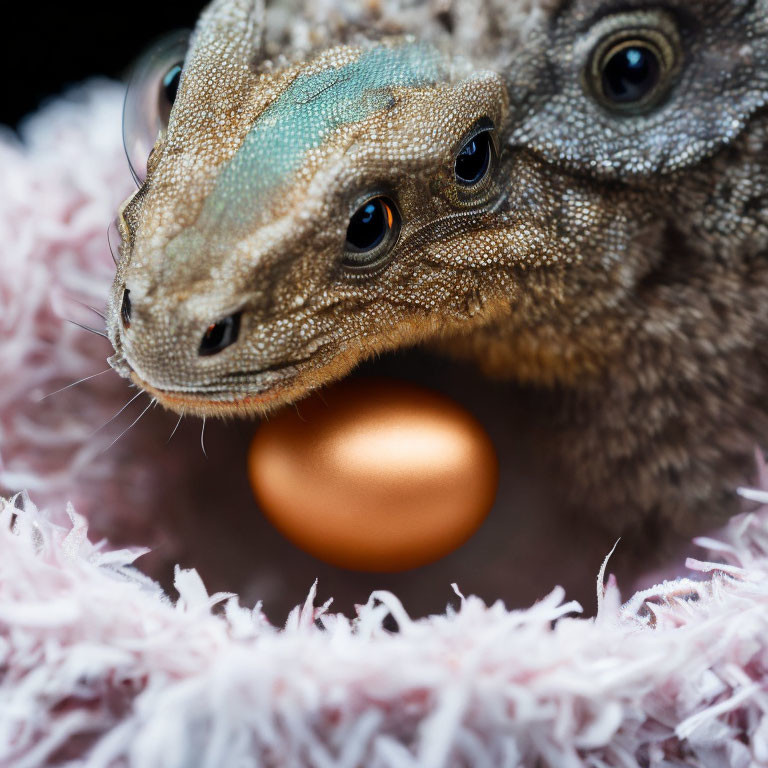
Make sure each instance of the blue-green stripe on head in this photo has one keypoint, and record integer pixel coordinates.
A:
(302, 118)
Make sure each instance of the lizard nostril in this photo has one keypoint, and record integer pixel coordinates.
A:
(220, 335)
(125, 309)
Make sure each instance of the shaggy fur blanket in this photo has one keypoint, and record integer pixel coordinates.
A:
(99, 666)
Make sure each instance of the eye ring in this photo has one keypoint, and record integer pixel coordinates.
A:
(632, 67)
(372, 233)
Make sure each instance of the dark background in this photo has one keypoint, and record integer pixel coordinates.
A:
(49, 45)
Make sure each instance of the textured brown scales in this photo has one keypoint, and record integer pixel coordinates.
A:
(618, 265)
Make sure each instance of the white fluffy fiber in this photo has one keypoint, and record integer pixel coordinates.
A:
(98, 667)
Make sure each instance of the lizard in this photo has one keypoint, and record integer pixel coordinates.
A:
(572, 194)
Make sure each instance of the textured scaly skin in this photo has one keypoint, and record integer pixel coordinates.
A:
(618, 264)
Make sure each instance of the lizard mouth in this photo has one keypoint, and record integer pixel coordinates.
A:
(223, 402)
(248, 393)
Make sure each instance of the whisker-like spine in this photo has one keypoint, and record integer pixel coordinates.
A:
(112, 227)
(74, 384)
(138, 394)
(89, 329)
(181, 416)
(93, 309)
(132, 424)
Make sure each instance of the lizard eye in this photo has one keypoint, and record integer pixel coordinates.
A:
(150, 95)
(474, 159)
(371, 235)
(474, 164)
(169, 87)
(631, 69)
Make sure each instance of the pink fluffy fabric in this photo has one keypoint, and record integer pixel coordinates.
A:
(100, 667)
(62, 182)
(61, 188)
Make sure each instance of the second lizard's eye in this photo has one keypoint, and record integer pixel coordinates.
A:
(630, 72)
(371, 234)
(634, 62)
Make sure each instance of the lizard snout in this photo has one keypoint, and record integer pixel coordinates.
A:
(167, 341)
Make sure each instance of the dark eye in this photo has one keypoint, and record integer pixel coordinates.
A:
(221, 335)
(474, 159)
(372, 233)
(169, 87)
(148, 99)
(631, 71)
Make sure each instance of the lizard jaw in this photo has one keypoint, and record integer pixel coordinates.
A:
(300, 383)
(190, 403)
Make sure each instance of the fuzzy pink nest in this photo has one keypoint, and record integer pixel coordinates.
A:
(99, 667)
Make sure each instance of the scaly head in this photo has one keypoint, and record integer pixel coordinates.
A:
(282, 232)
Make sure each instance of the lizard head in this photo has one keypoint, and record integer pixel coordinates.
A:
(297, 218)
(282, 233)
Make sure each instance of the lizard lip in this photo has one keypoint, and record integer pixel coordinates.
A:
(209, 403)
(269, 387)
(218, 401)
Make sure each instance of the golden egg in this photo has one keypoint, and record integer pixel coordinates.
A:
(374, 475)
